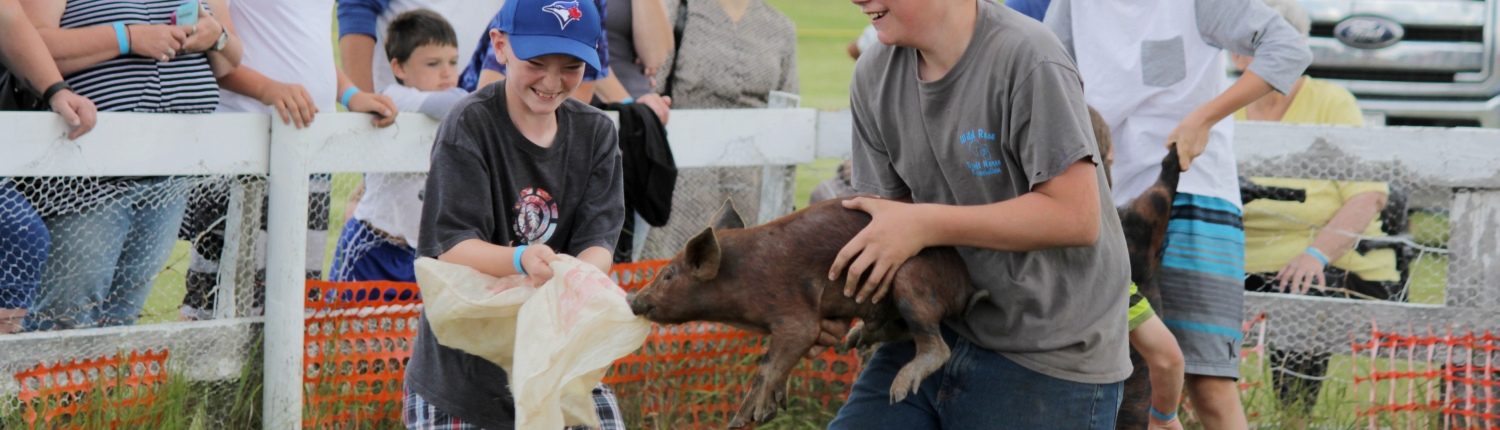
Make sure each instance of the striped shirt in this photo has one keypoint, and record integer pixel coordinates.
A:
(132, 83)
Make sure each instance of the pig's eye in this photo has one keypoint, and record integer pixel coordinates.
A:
(667, 275)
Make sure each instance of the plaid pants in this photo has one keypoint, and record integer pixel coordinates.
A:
(420, 415)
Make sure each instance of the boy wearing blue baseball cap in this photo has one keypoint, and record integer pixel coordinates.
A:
(520, 173)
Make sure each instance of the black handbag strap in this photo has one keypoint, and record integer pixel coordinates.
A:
(677, 27)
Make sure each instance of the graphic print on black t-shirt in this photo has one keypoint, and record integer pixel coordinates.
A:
(536, 216)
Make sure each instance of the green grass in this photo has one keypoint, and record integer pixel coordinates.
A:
(824, 28)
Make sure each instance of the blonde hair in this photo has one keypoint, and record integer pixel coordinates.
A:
(1294, 14)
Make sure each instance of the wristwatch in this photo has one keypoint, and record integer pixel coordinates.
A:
(223, 40)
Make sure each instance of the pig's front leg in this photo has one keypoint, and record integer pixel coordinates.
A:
(789, 342)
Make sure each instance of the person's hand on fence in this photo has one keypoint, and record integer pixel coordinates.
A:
(1301, 274)
(160, 42)
(537, 260)
(292, 101)
(831, 334)
(880, 248)
(77, 110)
(379, 104)
(661, 105)
(204, 34)
(1190, 138)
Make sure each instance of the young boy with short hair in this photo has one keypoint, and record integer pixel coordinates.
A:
(972, 117)
(379, 241)
(520, 172)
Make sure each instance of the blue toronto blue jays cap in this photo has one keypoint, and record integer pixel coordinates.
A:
(544, 27)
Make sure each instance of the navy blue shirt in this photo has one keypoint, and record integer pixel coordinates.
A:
(1036, 9)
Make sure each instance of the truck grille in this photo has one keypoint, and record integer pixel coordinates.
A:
(1379, 75)
(1419, 32)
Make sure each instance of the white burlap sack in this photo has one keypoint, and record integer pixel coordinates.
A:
(555, 341)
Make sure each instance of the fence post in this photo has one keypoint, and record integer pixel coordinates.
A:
(1474, 249)
(285, 279)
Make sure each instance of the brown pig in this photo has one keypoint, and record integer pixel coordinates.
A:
(772, 279)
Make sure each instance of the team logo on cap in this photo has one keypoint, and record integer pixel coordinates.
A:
(566, 12)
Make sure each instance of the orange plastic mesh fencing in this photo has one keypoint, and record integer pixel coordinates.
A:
(111, 389)
(1426, 380)
(695, 375)
(357, 343)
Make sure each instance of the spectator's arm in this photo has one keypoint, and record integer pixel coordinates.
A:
(357, 39)
(436, 105)
(652, 32)
(1059, 19)
(1333, 241)
(22, 50)
(1252, 29)
(363, 101)
(295, 105)
(610, 90)
(214, 20)
(788, 82)
(75, 49)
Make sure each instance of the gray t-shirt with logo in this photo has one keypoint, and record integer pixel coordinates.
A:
(1008, 116)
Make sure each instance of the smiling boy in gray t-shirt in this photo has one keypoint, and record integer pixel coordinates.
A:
(975, 113)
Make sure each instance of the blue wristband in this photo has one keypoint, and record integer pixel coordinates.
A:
(516, 260)
(347, 94)
(1162, 416)
(628, 100)
(1318, 255)
(122, 37)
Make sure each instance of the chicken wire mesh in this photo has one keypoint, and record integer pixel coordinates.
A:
(93, 268)
(1384, 230)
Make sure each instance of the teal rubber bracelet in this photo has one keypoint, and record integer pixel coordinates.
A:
(1161, 416)
(122, 37)
(1318, 255)
(628, 100)
(347, 94)
(516, 260)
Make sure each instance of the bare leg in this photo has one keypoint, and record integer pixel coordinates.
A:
(768, 390)
(1216, 401)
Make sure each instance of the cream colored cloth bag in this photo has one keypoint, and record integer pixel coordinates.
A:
(555, 341)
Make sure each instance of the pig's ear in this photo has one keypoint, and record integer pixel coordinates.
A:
(702, 255)
(728, 218)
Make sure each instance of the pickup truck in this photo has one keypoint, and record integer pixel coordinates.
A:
(1411, 62)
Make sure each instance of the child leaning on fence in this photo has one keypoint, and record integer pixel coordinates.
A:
(520, 172)
(379, 241)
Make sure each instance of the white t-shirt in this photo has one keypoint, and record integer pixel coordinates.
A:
(287, 41)
(469, 18)
(392, 202)
(1144, 79)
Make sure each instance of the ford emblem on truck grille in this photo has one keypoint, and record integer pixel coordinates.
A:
(1368, 32)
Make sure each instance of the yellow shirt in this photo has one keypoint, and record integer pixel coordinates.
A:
(1320, 102)
(1276, 231)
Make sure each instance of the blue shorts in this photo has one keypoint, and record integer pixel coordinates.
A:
(1203, 283)
(365, 255)
(24, 246)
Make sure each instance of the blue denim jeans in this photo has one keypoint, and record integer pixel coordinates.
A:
(105, 258)
(976, 389)
(24, 243)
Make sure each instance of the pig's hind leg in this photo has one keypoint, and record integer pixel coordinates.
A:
(789, 343)
(923, 311)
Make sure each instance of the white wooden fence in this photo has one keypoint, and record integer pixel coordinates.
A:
(32, 144)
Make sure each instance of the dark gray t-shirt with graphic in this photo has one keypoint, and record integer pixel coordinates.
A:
(489, 182)
(1008, 116)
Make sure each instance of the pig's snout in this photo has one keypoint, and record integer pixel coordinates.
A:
(638, 306)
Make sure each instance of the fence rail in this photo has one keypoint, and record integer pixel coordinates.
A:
(1462, 161)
